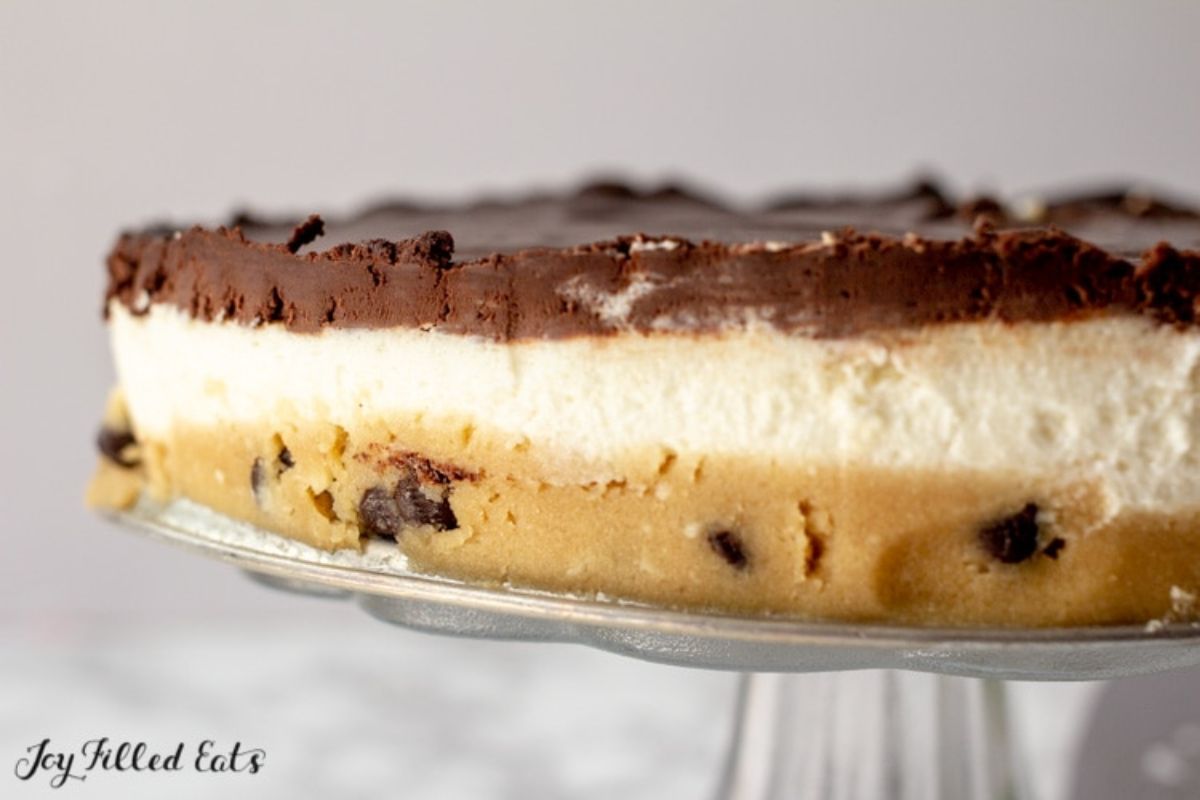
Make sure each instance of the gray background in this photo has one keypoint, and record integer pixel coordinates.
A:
(117, 114)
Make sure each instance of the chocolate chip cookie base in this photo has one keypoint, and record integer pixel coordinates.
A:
(687, 530)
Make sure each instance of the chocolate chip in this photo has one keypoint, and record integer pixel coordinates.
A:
(257, 478)
(286, 460)
(384, 512)
(114, 444)
(378, 513)
(306, 232)
(816, 549)
(420, 509)
(1055, 547)
(1014, 538)
(729, 547)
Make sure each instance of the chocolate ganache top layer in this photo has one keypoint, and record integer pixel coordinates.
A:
(611, 258)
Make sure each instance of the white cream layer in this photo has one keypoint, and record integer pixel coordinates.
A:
(1115, 398)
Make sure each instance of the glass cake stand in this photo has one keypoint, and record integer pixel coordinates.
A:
(825, 710)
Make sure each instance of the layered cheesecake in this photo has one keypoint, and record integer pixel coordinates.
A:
(902, 408)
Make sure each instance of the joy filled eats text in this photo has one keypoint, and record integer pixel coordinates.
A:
(46, 761)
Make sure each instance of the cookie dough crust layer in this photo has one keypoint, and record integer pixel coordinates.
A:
(722, 532)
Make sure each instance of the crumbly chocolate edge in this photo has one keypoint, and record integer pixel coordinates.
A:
(844, 284)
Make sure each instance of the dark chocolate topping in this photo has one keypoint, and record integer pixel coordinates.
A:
(523, 269)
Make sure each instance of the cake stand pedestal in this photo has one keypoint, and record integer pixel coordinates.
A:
(871, 734)
(827, 711)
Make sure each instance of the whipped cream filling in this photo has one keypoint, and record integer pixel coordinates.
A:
(1112, 397)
